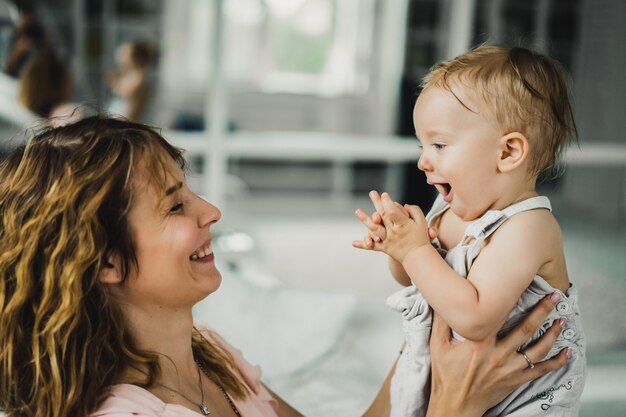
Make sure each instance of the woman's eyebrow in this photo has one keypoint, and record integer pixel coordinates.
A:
(174, 188)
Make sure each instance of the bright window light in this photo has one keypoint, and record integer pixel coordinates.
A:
(318, 47)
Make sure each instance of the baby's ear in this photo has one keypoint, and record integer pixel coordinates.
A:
(111, 272)
(514, 149)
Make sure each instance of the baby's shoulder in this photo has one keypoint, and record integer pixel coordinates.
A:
(537, 220)
(537, 228)
(536, 234)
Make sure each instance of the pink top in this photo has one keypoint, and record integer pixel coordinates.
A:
(126, 400)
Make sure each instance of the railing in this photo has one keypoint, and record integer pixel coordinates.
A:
(343, 149)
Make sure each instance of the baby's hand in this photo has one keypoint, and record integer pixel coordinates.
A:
(375, 225)
(406, 229)
(375, 230)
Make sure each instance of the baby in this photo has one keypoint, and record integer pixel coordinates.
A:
(490, 122)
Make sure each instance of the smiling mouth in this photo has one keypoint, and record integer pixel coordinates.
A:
(202, 252)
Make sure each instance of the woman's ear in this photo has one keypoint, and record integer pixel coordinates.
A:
(111, 272)
(514, 150)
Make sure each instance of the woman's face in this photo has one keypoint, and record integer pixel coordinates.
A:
(172, 238)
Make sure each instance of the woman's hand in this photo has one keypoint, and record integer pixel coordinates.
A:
(469, 377)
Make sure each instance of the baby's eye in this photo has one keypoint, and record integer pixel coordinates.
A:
(176, 208)
(439, 146)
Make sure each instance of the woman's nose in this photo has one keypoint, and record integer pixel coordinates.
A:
(208, 213)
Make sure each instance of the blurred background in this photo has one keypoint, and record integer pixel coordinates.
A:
(290, 112)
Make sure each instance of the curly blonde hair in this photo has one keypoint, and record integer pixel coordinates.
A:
(64, 200)
(525, 91)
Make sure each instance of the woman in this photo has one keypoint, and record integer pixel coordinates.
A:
(104, 251)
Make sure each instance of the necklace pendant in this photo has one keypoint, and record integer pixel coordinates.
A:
(204, 409)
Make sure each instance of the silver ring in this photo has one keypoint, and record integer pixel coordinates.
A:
(531, 365)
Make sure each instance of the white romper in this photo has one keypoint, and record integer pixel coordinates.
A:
(554, 394)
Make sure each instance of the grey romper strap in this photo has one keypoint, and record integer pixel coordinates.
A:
(490, 221)
(539, 202)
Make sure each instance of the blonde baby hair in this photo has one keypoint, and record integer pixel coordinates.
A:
(524, 91)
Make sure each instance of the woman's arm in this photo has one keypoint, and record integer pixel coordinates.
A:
(381, 406)
(468, 377)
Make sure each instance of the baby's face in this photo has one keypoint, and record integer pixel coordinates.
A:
(460, 148)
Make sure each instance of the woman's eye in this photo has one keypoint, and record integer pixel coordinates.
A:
(176, 208)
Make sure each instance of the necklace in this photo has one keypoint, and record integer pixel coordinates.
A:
(224, 393)
(203, 408)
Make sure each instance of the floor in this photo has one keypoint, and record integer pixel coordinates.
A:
(304, 243)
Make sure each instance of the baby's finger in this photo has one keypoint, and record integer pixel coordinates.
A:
(368, 242)
(414, 212)
(375, 197)
(359, 244)
(375, 237)
(380, 233)
(365, 219)
(392, 213)
(374, 229)
(403, 208)
(362, 244)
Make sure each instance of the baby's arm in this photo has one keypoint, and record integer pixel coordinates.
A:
(398, 272)
(507, 265)
(475, 306)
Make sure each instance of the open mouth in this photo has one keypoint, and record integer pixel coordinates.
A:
(445, 190)
(204, 252)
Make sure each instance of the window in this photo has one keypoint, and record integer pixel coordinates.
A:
(320, 47)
